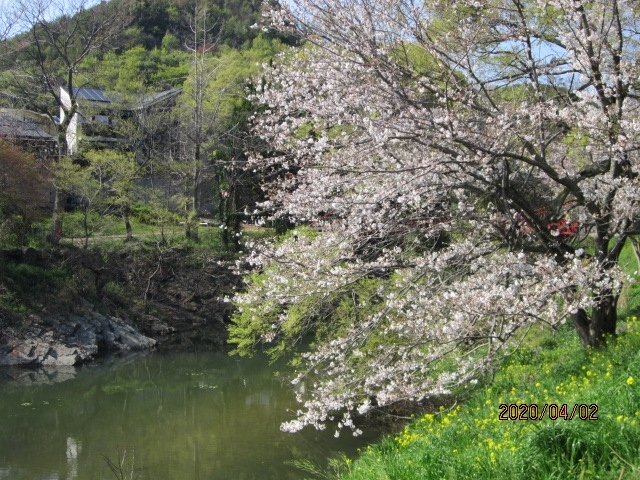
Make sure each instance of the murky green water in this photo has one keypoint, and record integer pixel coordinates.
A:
(183, 416)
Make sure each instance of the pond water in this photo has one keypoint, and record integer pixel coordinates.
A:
(172, 416)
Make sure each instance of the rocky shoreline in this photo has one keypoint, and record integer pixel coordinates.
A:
(183, 308)
(74, 340)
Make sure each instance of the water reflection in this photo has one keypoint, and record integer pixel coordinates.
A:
(74, 448)
(186, 416)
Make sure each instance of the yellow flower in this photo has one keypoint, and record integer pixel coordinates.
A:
(630, 381)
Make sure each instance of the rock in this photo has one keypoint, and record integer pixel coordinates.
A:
(37, 348)
(28, 350)
(61, 355)
(70, 340)
(124, 338)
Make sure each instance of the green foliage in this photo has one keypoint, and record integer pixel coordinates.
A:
(73, 224)
(247, 329)
(75, 179)
(24, 287)
(22, 196)
(324, 315)
(118, 294)
(170, 42)
(117, 172)
(138, 70)
(240, 66)
(336, 466)
(629, 302)
(470, 441)
(30, 278)
(232, 20)
(143, 213)
(228, 74)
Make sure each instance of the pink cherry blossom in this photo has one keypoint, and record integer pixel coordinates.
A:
(466, 170)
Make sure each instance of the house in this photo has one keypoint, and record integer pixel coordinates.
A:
(30, 131)
(99, 113)
(33, 133)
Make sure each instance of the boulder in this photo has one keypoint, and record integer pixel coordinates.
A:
(70, 340)
(62, 355)
(124, 337)
(35, 347)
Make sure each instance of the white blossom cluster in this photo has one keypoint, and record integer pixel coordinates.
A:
(465, 170)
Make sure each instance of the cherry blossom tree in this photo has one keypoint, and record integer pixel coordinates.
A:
(465, 170)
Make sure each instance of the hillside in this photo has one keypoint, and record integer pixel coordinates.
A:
(149, 49)
(136, 158)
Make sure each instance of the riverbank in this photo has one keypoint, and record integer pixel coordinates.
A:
(492, 436)
(67, 305)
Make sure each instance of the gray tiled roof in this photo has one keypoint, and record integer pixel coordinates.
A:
(92, 94)
(27, 129)
(96, 95)
(160, 96)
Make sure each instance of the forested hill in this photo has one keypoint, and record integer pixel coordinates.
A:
(230, 21)
(150, 51)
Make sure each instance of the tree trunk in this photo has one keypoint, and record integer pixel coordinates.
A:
(593, 332)
(85, 225)
(56, 223)
(127, 224)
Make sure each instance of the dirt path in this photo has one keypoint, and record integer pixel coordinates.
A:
(79, 241)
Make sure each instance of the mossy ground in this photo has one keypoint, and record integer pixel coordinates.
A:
(471, 441)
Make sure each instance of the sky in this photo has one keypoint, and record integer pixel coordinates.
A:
(57, 7)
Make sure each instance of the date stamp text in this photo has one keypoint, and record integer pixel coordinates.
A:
(552, 411)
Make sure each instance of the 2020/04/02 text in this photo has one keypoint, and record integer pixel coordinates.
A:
(553, 411)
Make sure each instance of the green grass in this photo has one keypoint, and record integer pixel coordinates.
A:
(23, 287)
(100, 225)
(470, 441)
(31, 279)
(629, 304)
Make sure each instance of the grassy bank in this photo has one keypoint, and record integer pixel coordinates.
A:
(178, 282)
(470, 441)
